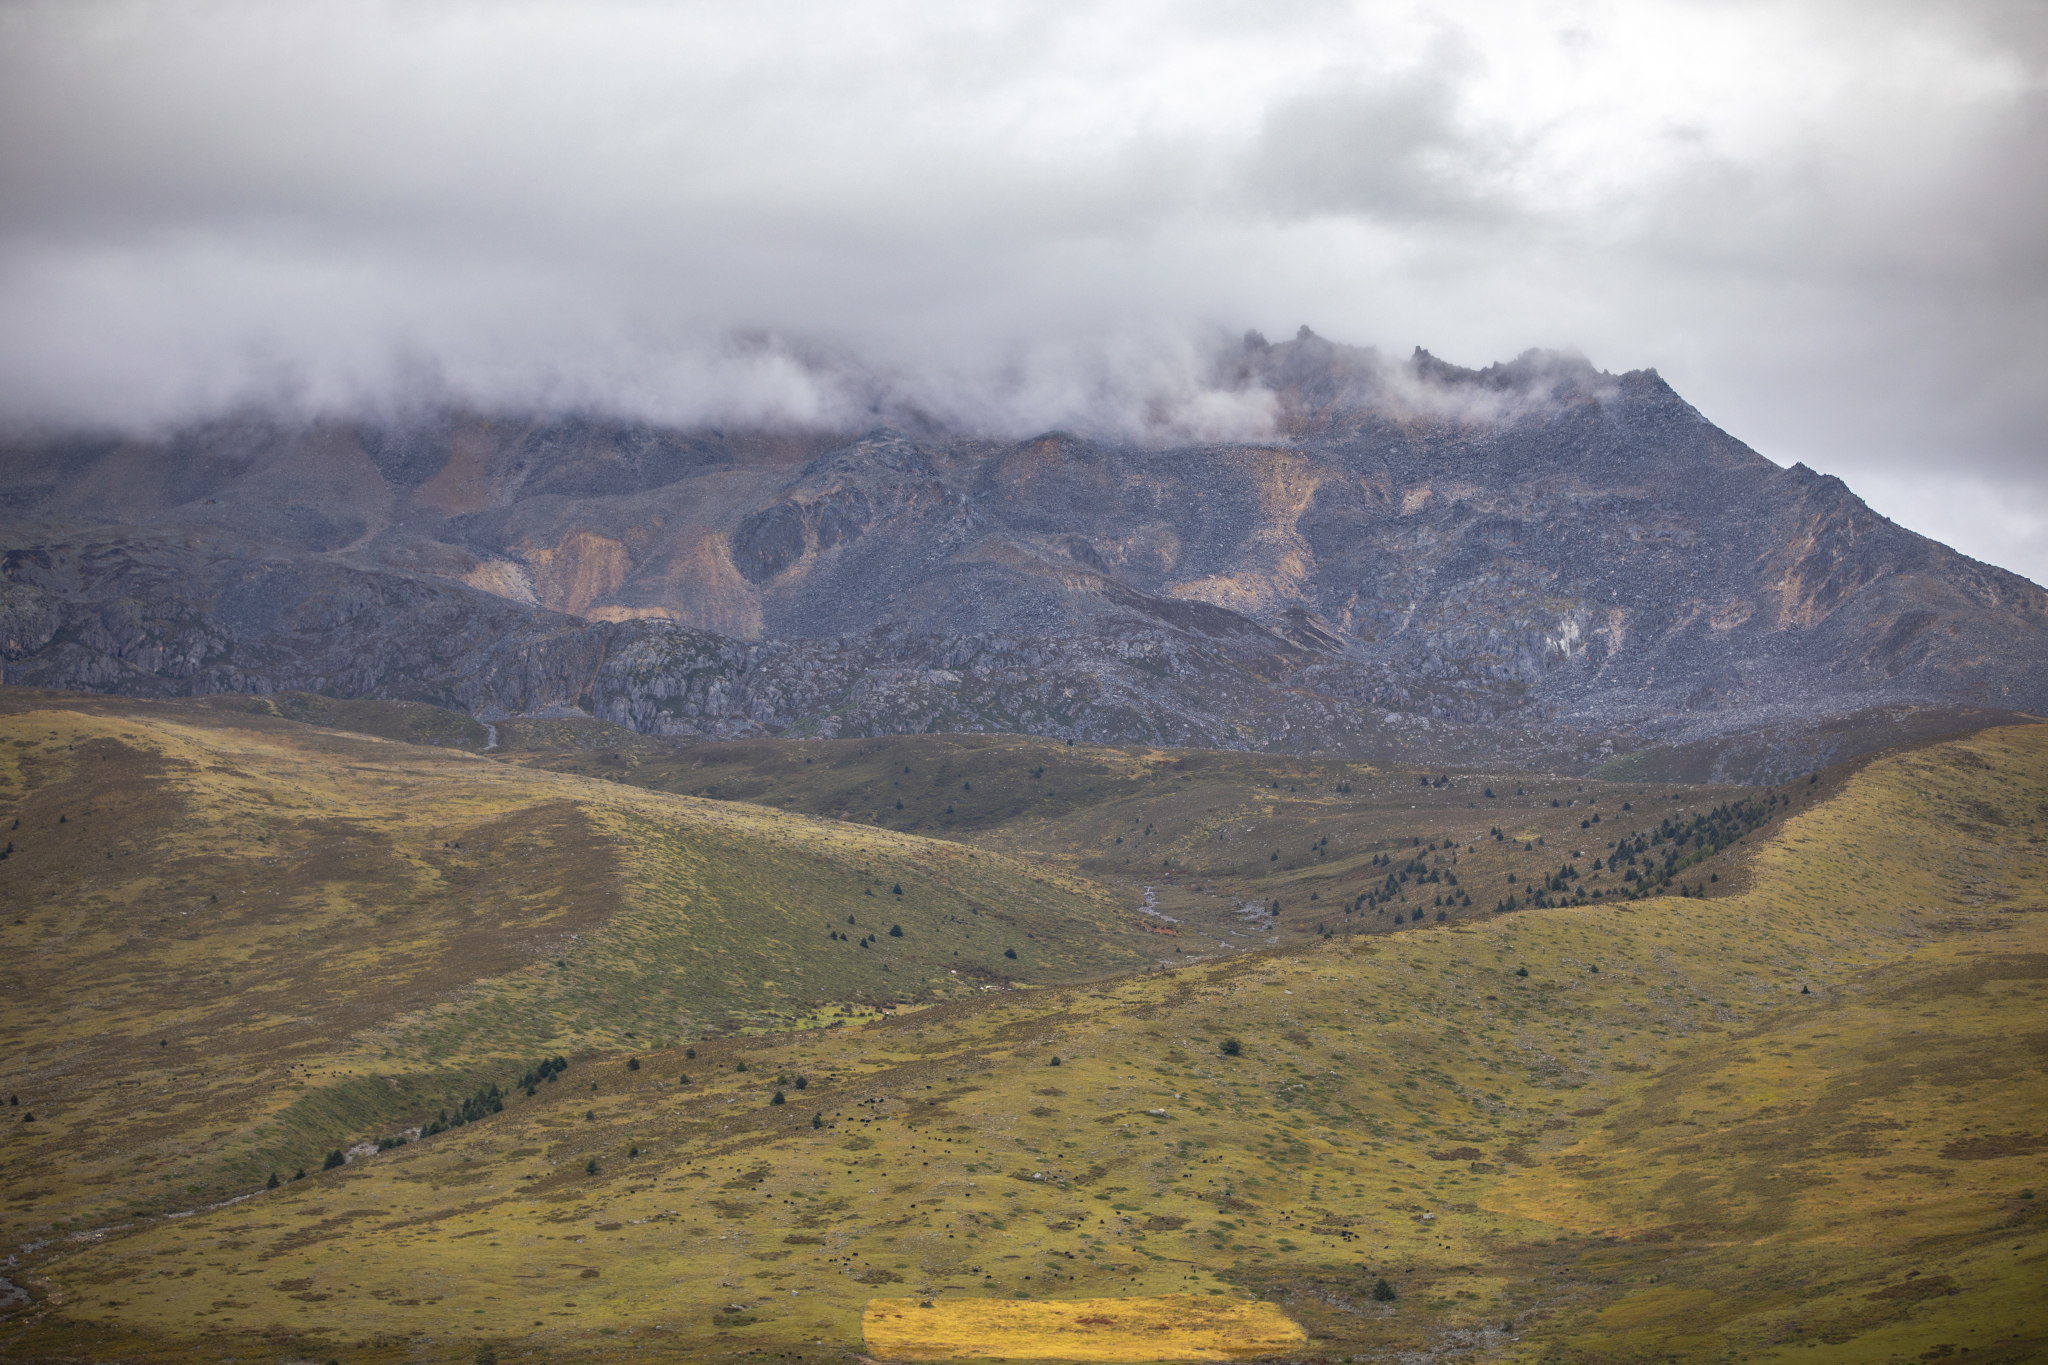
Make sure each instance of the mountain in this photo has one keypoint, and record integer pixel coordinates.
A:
(1535, 559)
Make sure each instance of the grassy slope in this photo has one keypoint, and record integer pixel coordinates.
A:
(239, 942)
(1207, 832)
(1679, 1155)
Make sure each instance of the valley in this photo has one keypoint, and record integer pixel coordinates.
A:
(1796, 1113)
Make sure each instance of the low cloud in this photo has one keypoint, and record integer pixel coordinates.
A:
(1819, 220)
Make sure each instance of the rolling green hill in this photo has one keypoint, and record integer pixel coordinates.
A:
(1799, 1118)
(241, 941)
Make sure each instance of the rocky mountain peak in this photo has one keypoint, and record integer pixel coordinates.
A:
(1533, 544)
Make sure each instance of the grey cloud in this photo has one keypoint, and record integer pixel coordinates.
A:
(1391, 148)
(1820, 221)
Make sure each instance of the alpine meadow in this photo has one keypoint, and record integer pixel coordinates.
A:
(908, 684)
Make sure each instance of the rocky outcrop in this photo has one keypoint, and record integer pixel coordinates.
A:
(1536, 547)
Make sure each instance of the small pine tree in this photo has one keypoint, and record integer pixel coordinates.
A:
(691, 1053)
(1231, 1047)
(778, 1099)
(817, 1120)
(1383, 1292)
(1055, 1060)
(1010, 953)
(334, 1158)
(803, 1082)
(741, 1067)
(590, 1166)
(895, 931)
(1521, 971)
(632, 1064)
(274, 1181)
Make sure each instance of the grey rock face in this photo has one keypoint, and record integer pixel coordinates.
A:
(1537, 550)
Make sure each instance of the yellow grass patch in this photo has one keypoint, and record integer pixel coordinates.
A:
(1171, 1327)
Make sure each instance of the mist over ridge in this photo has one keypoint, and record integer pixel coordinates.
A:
(1819, 220)
(1560, 560)
(1166, 386)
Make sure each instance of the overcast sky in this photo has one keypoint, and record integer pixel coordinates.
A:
(1825, 224)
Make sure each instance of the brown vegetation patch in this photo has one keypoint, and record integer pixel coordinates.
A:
(1989, 1148)
(1924, 1287)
